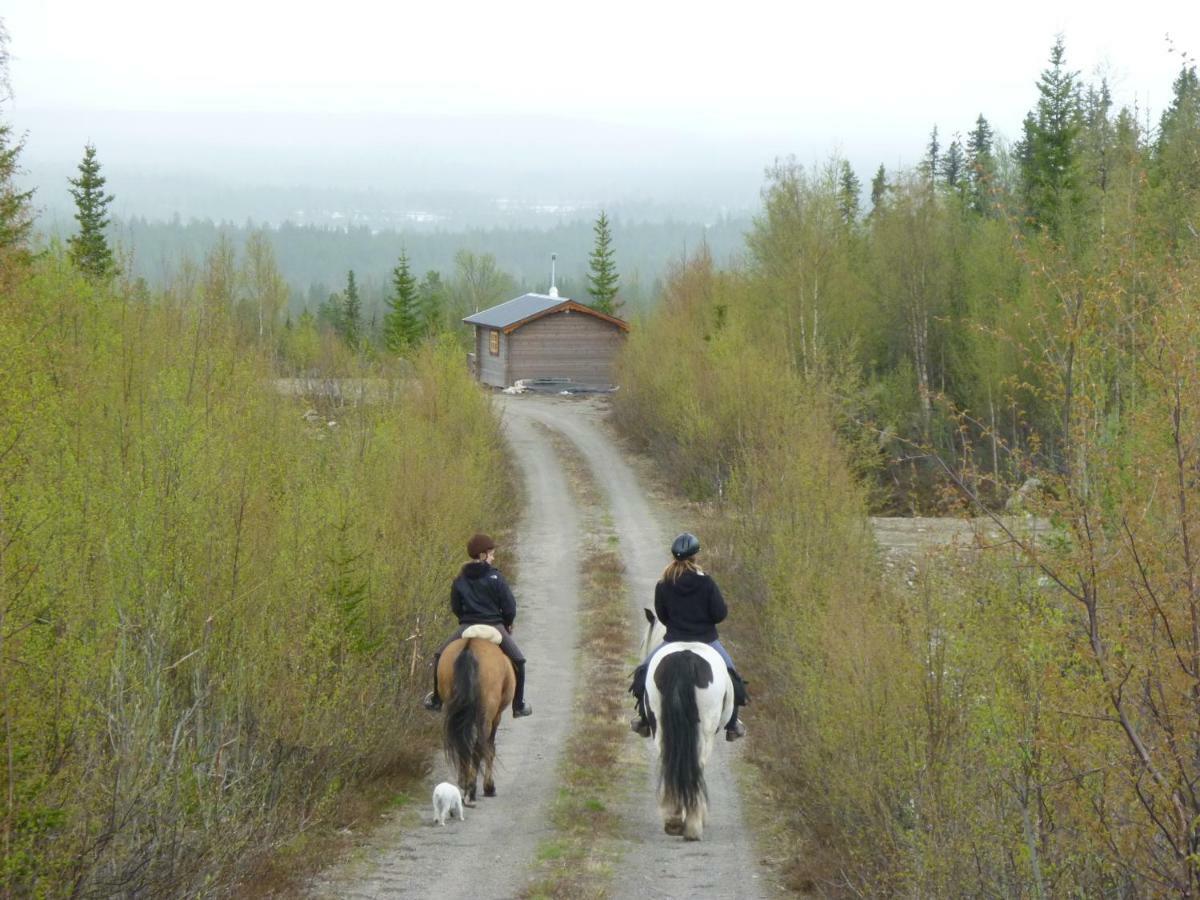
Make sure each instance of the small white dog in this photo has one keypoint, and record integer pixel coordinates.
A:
(447, 800)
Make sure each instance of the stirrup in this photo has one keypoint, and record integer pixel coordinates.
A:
(432, 702)
(639, 726)
(524, 709)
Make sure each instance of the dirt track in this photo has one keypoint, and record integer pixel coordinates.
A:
(491, 854)
(723, 864)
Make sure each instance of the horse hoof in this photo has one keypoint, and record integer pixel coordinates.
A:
(691, 837)
(673, 827)
(489, 790)
(468, 803)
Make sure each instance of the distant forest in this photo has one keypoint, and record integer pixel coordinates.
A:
(208, 592)
(314, 260)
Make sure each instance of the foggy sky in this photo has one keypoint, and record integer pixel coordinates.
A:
(605, 99)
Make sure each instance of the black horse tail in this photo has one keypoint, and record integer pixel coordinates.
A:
(463, 728)
(681, 775)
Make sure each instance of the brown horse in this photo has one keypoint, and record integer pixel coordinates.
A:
(478, 682)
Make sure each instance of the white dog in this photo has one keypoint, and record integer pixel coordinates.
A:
(447, 800)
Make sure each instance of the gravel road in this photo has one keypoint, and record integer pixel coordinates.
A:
(491, 854)
(724, 864)
(488, 856)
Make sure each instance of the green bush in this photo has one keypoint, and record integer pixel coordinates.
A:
(214, 609)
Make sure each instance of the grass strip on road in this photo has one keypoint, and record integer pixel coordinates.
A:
(578, 861)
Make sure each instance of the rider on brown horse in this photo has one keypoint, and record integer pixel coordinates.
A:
(481, 596)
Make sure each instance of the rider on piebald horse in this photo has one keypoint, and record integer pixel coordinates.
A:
(689, 603)
(481, 596)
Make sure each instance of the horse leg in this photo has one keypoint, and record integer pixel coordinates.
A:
(489, 783)
(672, 817)
(466, 783)
(693, 821)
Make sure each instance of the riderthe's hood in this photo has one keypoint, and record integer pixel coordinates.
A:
(475, 570)
(689, 583)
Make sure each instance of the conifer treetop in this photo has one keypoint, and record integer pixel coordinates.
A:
(603, 278)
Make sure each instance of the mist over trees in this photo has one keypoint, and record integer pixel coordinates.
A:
(314, 259)
(1006, 331)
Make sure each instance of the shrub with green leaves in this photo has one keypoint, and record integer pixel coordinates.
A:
(215, 602)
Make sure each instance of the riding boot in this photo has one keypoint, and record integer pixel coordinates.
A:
(432, 701)
(640, 724)
(520, 707)
(733, 728)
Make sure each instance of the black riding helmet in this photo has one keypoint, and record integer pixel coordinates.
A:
(685, 546)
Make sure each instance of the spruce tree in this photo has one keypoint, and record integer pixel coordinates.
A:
(402, 323)
(603, 277)
(16, 213)
(431, 301)
(930, 165)
(953, 166)
(89, 248)
(1175, 160)
(879, 187)
(350, 319)
(981, 164)
(1181, 121)
(849, 189)
(1048, 153)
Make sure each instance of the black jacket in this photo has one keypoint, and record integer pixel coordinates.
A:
(690, 607)
(481, 596)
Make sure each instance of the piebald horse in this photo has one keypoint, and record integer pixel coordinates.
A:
(689, 696)
(478, 682)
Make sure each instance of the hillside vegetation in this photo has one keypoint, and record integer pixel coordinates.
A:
(1025, 727)
(215, 602)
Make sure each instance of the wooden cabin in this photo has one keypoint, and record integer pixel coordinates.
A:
(544, 336)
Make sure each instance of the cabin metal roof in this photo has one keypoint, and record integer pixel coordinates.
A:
(514, 311)
(510, 315)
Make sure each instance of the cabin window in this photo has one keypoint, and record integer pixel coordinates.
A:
(494, 342)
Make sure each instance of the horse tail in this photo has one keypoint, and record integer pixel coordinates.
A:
(463, 728)
(681, 774)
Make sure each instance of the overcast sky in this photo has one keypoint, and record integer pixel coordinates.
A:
(690, 84)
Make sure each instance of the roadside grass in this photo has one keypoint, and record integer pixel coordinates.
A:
(579, 860)
(345, 827)
(283, 869)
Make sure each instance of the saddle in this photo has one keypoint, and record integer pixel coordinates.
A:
(483, 633)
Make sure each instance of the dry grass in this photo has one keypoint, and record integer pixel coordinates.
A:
(578, 861)
(283, 870)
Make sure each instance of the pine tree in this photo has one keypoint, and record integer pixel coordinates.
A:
(953, 166)
(603, 277)
(402, 323)
(849, 189)
(16, 213)
(431, 301)
(89, 248)
(879, 188)
(981, 164)
(350, 320)
(1175, 163)
(1181, 120)
(1048, 153)
(930, 165)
